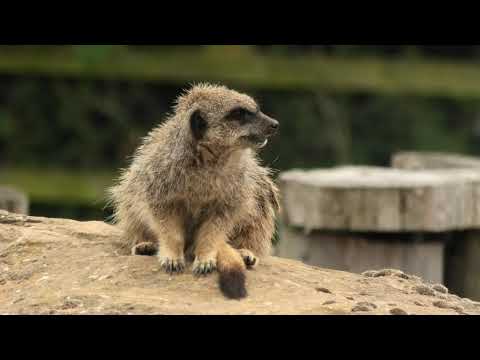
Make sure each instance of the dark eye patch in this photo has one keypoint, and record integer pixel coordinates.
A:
(241, 114)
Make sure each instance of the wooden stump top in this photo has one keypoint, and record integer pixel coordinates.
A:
(433, 160)
(382, 199)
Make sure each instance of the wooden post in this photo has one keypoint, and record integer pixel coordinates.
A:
(462, 257)
(363, 218)
(13, 201)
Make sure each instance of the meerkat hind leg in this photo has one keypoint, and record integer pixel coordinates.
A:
(145, 249)
(144, 243)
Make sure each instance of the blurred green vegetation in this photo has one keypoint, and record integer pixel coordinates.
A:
(70, 116)
(276, 69)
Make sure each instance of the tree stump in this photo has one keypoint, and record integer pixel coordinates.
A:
(13, 201)
(462, 255)
(359, 218)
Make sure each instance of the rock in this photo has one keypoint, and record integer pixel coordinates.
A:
(359, 308)
(391, 272)
(398, 311)
(324, 290)
(330, 302)
(445, 305)
(364, 304)
(75, 252)
(370, 273)
(440, 288)
(424, 290)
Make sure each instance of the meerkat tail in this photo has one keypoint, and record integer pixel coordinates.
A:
(232, 273)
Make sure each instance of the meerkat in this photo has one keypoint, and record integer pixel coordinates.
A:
(195, 190)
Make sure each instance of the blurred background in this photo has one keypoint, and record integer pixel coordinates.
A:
(71, 115)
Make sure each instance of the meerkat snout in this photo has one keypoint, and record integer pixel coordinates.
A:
(260, 129)
(273, 125)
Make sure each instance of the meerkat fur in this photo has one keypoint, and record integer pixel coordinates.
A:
(195, 190)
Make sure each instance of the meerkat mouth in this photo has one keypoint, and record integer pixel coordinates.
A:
(257, 141)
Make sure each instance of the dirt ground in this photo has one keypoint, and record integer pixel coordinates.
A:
(55, 266)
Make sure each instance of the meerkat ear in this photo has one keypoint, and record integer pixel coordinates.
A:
(198, 124)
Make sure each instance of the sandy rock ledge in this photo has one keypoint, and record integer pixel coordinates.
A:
(56, 266)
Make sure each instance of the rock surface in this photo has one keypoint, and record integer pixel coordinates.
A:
(55, 266)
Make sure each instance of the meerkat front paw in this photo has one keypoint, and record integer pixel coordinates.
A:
(204, 266)
(249, 258)
(172, 266)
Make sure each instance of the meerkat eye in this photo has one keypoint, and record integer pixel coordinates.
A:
(241, 114)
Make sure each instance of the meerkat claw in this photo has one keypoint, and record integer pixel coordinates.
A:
(204, 268)
(172, 266)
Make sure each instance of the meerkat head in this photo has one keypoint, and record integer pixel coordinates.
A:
(225, 118)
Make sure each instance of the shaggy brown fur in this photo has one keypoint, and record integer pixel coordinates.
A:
(195, 189)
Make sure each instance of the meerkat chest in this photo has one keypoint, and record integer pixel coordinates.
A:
(213, 186)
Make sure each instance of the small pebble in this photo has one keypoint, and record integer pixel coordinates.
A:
(363, 306)
(324, 290)
(440, 288)
(330, 302)
(367, 304)
(398, 311)
(424, 290)
(358, 308)
(416, 278)
(370, 273)
(445, 305)
(392, 272)
(70, 304)
(441, 304)
(385, 272)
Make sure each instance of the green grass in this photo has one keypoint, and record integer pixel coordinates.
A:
(61, 187)
(239, 66)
